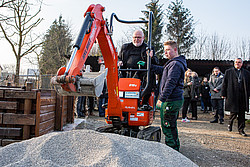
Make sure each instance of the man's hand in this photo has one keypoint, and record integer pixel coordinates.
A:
(151, 54)
(216, 90)
(158, 104)
(119, 63)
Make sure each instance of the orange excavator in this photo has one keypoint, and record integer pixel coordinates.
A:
(124, 94)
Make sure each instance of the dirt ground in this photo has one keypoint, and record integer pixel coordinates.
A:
(205, 143)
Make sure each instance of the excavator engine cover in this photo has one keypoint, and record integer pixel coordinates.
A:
(129, 93)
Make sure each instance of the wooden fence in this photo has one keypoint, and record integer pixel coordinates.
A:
(26, 113)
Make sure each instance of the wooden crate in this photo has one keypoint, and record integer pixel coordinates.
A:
(26, 113)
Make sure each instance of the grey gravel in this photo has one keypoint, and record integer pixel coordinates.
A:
(89, 148)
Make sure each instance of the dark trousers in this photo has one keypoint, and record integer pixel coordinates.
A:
(100, 107)
(81, 106)
(91, 104)
(194, 108)
(151, 84)
(218, 108)
(205, 102)
(185, 107)
(241, 120)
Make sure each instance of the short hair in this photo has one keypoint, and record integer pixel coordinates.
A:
(216, 68)
(172, 43)
(239, 59)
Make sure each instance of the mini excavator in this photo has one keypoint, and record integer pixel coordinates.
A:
(124, 94)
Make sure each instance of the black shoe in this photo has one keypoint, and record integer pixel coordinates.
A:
(221, 121)
(214, 121)
(243, 133)
(81, 116)
(229, 128)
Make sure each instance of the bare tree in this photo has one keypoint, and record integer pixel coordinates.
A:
(243, 49)
(3, 5)
(199, 46)
(18, 29)
(218, 48)
(8, 68)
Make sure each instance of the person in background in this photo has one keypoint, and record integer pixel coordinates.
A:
(171, 92)
(205, 93)
(195, 86)
(81, 110)
(215, 84)
(81, 102)
(186, 95)
(91, 103)
(236, 91)
(103, 99)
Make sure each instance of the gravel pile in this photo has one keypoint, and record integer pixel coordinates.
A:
(89, 148)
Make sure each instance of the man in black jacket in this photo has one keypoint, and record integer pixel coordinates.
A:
(236, 90)
(131, 55)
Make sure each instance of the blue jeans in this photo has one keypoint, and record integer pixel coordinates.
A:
(100, 108)
(81, 106)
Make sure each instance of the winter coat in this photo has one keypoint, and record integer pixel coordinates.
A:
(195, 89)
(205, 90)
(215, 82)
(230, 89)
(187, 90)
(171, 87)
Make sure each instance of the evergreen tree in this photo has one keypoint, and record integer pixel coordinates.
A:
(181, 26)
(57, 44)
(157, 26)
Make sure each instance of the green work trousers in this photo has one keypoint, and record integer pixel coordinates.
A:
(169, 115)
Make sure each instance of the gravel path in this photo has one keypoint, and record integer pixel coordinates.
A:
(204, 143)
(89, 148)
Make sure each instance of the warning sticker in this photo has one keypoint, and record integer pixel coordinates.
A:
(133, 119)
(139, 114)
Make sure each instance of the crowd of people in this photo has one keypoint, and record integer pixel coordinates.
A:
(180, 89)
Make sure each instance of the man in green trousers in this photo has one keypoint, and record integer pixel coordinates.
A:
(171, 92)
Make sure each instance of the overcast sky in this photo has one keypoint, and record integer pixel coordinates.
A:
(229, 18)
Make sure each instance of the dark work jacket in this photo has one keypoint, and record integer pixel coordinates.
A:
(130, 55)
(230, 90)
(171, 87)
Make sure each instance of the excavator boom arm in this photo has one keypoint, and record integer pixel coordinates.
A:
(94, 28)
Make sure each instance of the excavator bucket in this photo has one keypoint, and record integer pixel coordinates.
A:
(90, 84)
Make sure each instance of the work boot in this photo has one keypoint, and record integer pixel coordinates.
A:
(214, 121)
